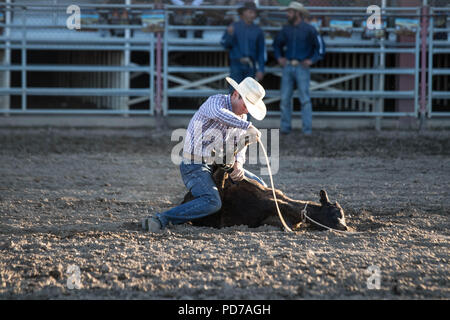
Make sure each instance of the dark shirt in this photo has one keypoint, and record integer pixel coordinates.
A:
(301, 41)
(246, 41)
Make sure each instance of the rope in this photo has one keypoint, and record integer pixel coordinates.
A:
(286, 227)
(303, 212)
(323, 226)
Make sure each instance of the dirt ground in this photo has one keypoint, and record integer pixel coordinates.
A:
(76, 197)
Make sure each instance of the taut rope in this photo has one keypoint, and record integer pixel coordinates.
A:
(305, 216)
(303, 212)
(286, 227)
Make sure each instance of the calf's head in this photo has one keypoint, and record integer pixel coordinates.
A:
(329, 214)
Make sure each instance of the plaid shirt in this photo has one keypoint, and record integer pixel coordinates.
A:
(215, 118)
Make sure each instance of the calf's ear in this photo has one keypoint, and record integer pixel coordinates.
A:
(323, 197)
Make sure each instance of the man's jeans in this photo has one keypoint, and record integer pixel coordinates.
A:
(198, 179)
(301, 76)
(239, 71)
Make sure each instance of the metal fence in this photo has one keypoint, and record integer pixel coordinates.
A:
(105, 80)
(438, 45)
(41, 27)
(376, 94)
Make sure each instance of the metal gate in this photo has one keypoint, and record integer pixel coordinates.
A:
(359, 84)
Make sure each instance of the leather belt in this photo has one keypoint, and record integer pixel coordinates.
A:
(294, 62)
(196, 159)
(189, 158)
(246, 60)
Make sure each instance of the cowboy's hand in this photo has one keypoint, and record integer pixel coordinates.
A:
(253, 134)
(282, 61)
(230, 29)
(238, 172)
(307, 63)
(259, 76)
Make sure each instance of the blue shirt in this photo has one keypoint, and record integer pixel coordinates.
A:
(246, 41)
(299, 42)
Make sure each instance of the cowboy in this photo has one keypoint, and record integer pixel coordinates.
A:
(221, 117)
(303, 48)
(246, 44)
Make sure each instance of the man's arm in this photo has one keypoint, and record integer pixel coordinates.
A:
(214, 108)
(238, 172)
(278, 43)
(261, 47)
(261, 54)
(254, 135)
(318, 47)
(228, 37)
(322, 47)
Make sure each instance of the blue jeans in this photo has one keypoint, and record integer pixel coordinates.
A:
(239, 71)
(198, 179)
(301, 76)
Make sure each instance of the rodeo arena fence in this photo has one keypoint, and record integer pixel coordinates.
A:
(147, 59)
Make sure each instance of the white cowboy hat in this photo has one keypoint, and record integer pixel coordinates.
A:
(297, 6)
(252, 93)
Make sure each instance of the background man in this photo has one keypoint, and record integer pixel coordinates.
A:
(246, 44)
(226, 115)
(296, 47)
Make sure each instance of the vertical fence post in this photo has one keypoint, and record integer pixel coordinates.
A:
(6, 81)
(417, 65)
(24, 60)
(152, 74)
(430, 63)
(165, 89)
(127, 57)
(158, 73)
(158, 95)
(423, 83)
(382, 65)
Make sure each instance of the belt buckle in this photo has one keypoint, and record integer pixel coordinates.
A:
(247, 61)
(295, 62)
